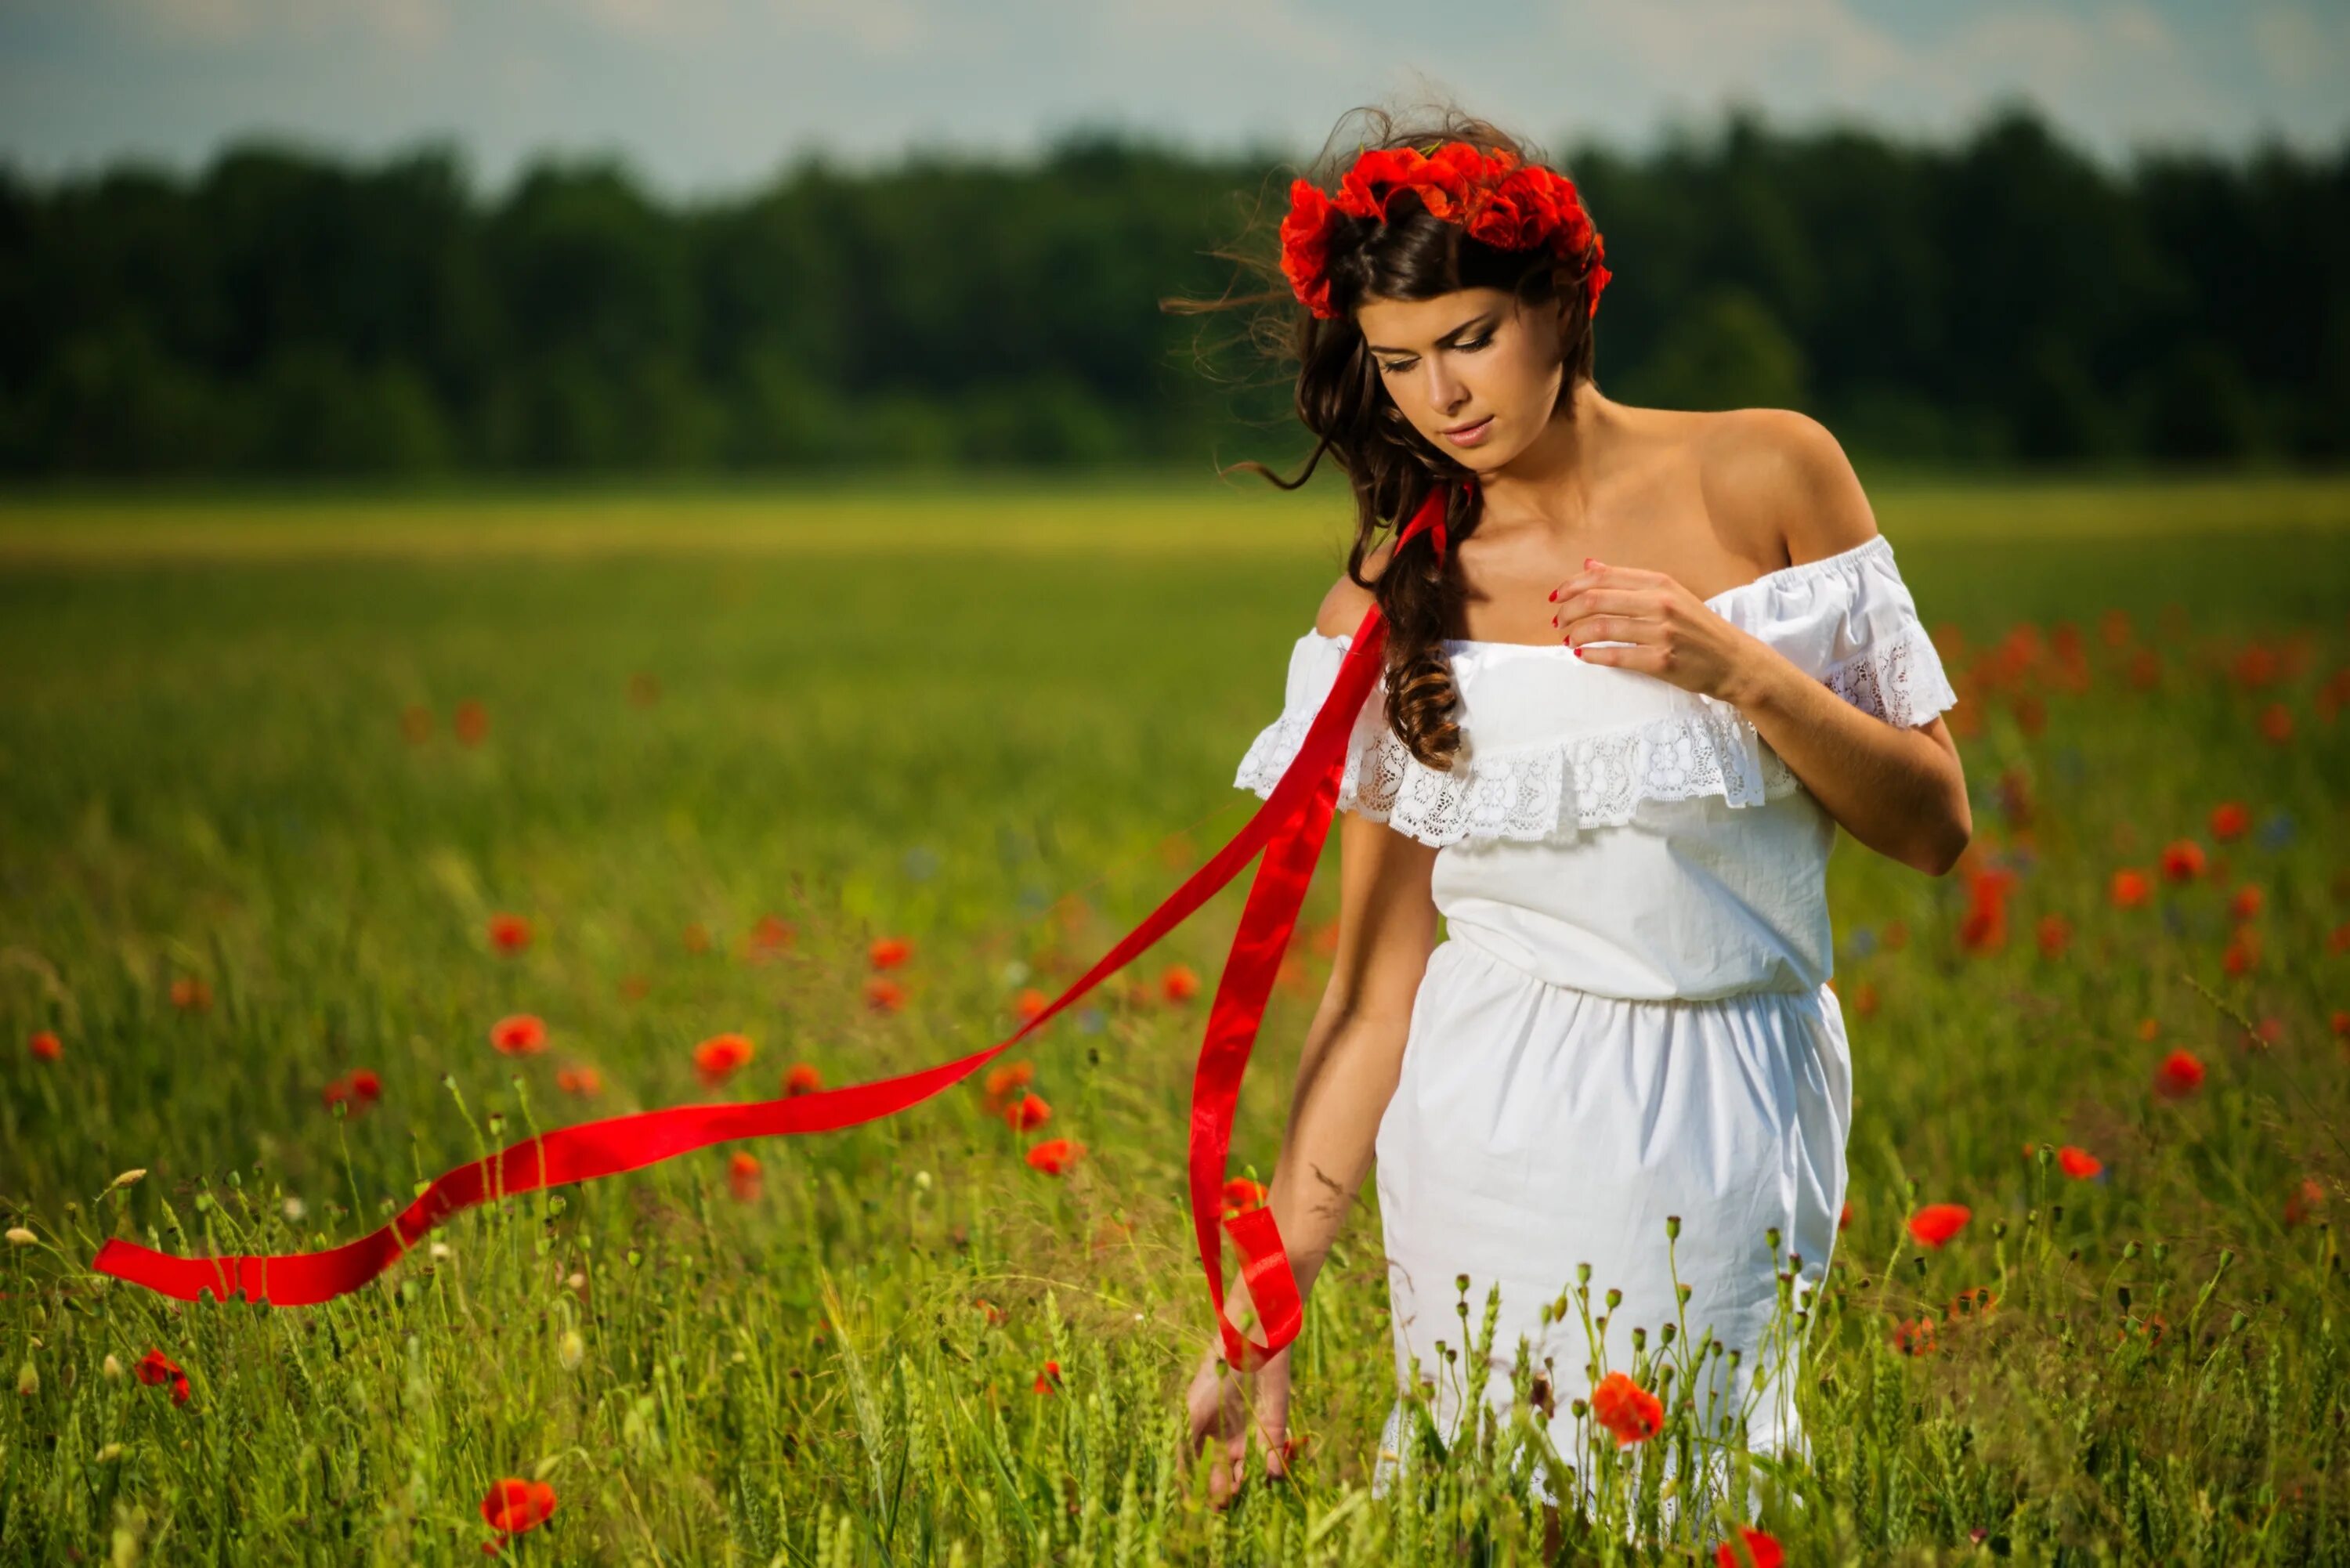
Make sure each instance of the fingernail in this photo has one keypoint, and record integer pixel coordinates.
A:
(1578, 653)
(1553, 595)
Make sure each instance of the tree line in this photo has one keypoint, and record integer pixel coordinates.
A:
(2005, 300)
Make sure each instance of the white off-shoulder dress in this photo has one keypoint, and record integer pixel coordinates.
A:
(1628, 1017)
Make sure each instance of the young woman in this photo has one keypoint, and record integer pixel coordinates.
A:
(1651, 664)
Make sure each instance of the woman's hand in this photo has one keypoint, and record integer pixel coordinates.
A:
(1221, 1419)
(1674, 635)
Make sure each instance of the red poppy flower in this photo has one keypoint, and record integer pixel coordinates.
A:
(2242, 954)
(1029, 1002)
(2056, 934)
(2182, 859)
(509, 933)
(472, 723)
(2130, 888)
(44, 1045)
(367, 1084)
(1844, 1216)
(359, 1089)
(522, 1035)
(1179, 983)
(2229, 820)
(191, 995)
(994, 1313)
(771, 933)
(883, 994)
(1627, 1409)
(1936, 1223)
(718, 1057)
(584, 1082)
(2078, 1163)
(2180, 1075)
(515, 1506)
(1055, 1155)
(1001, 1081)
(1865, 999)
(803, 1079)
(742, 1175)
(1241, 1195)
(1028, 1111)
(2246, 903)
(2303, 1202)
(1752, 1550)
(1050, 1379)
(155, 1368)
(888, 952)
(1914, 1336)
(2341, 1023)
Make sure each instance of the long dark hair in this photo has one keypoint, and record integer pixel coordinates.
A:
(1344, 403)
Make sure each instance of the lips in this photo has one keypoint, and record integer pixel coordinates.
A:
(1464, 429)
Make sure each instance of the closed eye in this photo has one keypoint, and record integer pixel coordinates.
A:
(1468, 345)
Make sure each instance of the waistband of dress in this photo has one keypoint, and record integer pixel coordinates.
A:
(1463, 938)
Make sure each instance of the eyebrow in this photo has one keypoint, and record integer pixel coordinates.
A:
(1477, 320)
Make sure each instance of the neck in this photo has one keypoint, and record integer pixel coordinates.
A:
(1550, 481)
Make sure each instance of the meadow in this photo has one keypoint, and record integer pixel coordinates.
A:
(346, 837)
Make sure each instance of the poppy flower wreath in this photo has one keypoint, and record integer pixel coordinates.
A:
(1494, 196)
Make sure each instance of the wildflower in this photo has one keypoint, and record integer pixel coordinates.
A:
(1983, 928)
(522, 1035)
(112, 1367)
(189, 994)
(509, 933)
(2078, 1163)
(717, 1057)
(1752, 1550)
(1029, 1002)
(1936, 1223)
(1627, 1409)
(1865, 999)
(585, 1082)
(1844, 1216)
(515, 1506)
(570, 1350)
(2341, 1023)
(44, 1045)
(803, 1079)
(1914, 1336)
(2180, 1075)
(888, 952)
(2229, 819)
(772, 932)
(155, 1368)
(358, 1090)
(2147, 1029)
(988, 1309)
(472, 723)
(2130, 888)
(20, 1236)
(367, 1086)
(2303, 1202)
(1050, 1379)
(294, 1209)
(2246, 903)
(1029, 1111)
(2276, 722)
(1975, 1303)
(1240, 1194)
(2056, 934)
(1001, 1081)
(1178, 984)
(884, 995)
(2182, 859)
(2243, 951)
(742, 1175)
(1055, 1155)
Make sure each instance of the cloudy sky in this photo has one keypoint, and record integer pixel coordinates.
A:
(711, 95)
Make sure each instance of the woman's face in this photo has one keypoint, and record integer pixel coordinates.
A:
(1476, 358)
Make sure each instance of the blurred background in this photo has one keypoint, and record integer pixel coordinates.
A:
(417, 238)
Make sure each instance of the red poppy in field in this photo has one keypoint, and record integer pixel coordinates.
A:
(1975, 1303)
(509, 933)
(1029, 1002)
(2341, 1023)
(2130, 888)
(585, 1082)
(1844, 1216)
(1050, 1379)
(772, 934)
(1864, 999)
(1936, 1223)
(1179, 983)
(2180, 1075)
(359, 1089)
(155, 1368)
(718, 1057)
(189, 994)
(888, 952)
(994, 1313)
(2056, 934)
(1241, 1195)
(2337, 940)
(743, 1175)
(1028, 1111)
(1752, 1549)
(1914, 1336)
(2305, 1201)
(2243, 951)
(515, 1506)
(1627, 1409)
(2229, 819)
(2078, 1163)
(1055, 1155)
(2147, 1029)
(1984, 928)
(2182, 859)
(2276, 722)
(521, 1035)
(2247, 902)
(416, 724)
(472, 723)
(44, 1045)
(803, 1079)
(883, 994)
(1001, 1081)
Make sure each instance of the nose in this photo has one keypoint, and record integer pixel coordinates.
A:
(1445, 393)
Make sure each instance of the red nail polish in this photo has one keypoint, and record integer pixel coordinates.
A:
(1578, 653)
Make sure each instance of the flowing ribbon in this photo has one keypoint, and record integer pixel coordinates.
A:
(1289, 828)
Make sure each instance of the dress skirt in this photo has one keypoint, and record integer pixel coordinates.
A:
(1536, 1128)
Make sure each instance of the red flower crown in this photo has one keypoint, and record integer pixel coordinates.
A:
(1496, 197)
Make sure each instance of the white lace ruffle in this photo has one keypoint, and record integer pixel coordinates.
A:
(1900, 680)
(1548, 790)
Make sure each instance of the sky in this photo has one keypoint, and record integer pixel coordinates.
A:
(709, 97)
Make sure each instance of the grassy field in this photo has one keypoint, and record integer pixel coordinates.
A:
(271, 767)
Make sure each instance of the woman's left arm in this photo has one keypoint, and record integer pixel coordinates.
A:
(1900, 791)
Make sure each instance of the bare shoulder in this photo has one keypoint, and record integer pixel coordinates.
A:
(1781, 479)
(1344, 607)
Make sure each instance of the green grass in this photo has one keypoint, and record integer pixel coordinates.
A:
(1005, 726)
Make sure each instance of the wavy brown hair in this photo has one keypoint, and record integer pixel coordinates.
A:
(1346, 406)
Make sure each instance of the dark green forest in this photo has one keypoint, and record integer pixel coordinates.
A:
(2003, 300)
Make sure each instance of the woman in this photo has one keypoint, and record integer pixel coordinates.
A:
(1619, 719)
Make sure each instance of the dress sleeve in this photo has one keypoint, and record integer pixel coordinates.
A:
(1313, 670)
(1850, 620)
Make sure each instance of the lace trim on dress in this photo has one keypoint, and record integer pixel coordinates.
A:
(1544, 791)
(1898, 680)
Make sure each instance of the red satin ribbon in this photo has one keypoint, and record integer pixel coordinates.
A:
(1289, 828)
